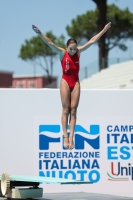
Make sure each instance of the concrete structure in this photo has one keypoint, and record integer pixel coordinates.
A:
(117, 76)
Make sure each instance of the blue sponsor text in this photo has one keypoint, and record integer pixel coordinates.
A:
(122, 128)
(117, 138)
(92, 176)
(48, 155)
(68, 164)
(115, 152)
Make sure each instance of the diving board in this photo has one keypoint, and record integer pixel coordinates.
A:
(10, 185)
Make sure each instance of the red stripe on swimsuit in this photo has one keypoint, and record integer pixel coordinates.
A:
(70, 69)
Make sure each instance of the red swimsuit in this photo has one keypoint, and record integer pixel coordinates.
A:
(70, 69)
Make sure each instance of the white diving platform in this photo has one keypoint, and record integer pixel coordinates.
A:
(10, 185)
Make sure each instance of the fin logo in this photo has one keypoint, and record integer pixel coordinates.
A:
(45, 139)
(51, 134)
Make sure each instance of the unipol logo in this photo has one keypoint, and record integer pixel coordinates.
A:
(49, 134)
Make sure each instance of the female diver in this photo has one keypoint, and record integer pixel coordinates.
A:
(70, 85)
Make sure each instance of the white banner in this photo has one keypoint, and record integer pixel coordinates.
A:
(103, 153)
(32, 139)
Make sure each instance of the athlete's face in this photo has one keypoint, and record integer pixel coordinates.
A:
(72, 48)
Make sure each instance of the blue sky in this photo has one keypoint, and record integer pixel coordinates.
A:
(17, 16)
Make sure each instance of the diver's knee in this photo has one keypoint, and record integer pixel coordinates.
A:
(66, 110)
(73, 111)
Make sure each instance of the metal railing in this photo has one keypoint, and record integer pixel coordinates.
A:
(93, 67)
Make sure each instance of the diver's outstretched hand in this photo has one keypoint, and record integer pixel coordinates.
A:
(107, 26)
(36, 29)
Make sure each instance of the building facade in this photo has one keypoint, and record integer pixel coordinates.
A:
(5, 79)
(8, 80)
(31, 81)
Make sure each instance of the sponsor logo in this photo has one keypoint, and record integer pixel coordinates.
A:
(82, 163)
(79, 139)
(119, 152)
(120, 172)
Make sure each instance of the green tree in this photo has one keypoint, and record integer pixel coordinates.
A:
(85, 26)
(40, 54)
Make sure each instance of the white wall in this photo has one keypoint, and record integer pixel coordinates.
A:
(23, 111)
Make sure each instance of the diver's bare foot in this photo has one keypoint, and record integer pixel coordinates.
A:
(66, 142)
(71, 144)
